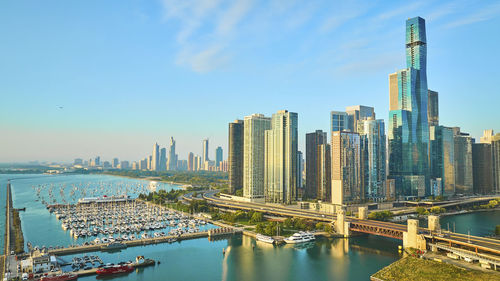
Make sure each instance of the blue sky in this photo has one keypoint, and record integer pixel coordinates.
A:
(128, 73)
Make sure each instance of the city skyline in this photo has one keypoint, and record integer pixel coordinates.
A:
(67, 122)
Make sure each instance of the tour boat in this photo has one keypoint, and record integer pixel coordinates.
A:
(115, 269)
(265, 239)
(300, 237)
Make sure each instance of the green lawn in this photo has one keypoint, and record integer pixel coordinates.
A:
(415, 269)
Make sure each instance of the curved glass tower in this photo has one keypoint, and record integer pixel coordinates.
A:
(408, 124)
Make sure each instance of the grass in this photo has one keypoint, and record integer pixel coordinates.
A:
(415, 269)
(19, 239)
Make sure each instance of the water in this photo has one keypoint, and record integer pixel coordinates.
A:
(43, 229)
(245, 258)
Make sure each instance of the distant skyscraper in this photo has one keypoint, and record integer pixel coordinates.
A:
(204, 156)
(358, 113)
(135, 166)
(155, 160)
(190, 164)
(163, 159)
(408, 125)
(373, 155)
(324, 175)
(124, 165)
(280, 175)
(346, 167)
(433, 108)
(463, 162)
(235, 155)
(97, 161)
(253, 155)
(218, 157)
(115, 162)
(313, 165)
(143, 165)
(442, 145)
(339, 121)
(78, 161)
(172, 157)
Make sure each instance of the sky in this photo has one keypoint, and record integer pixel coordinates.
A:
(85, 78)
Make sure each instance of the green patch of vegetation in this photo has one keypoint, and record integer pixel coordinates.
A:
(243, 217)
(497, 230)
(381, 215)
(416, 269)
(18, 239)
(437, 210)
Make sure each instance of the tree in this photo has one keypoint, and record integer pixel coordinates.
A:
(256, 217)
(421, 210)
(497, 230)
(381, 215)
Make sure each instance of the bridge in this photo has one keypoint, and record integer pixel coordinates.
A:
(412, 235)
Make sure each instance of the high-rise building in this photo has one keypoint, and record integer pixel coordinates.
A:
(433, 108)
(135, 165)
(115, 162)
(143, 165)
(280, 175)
(300, 168)
(218, 157)
(78, 161)
(324, 174)
(235, 155)
(339, 121)
(463, 162)
(346, 167)
(408, 124)
(373, 157)
(482, 168)
(357, 113)
(313, 165)
(182, 165)
(124, 165)
(172, 157)
(255, 127)
(204, 156)
(97, 161)
(155, 158)
(494, 141)
(442, 152)
(163, 159)
(190, 162)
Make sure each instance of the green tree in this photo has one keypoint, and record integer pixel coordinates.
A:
(256, 217)
(497, 230)
(421, 210)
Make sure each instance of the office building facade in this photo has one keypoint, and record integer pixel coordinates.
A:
(235, 155)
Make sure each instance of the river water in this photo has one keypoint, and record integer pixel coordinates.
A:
(244, 259)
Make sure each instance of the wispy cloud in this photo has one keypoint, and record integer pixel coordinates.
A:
(203, 60)
(233, 15)
(404, 10)
(484, 14)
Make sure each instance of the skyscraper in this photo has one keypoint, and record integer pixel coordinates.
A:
(373, 157)
(255, 127)
(235, 155)
(313, 164)
(163, 159)
(339, 121)
(115, 162)
(433, 108)
(463, 162)
(482, 168)
(172, 157)
(155, 160)
(281, 158)
(357, 113)
(300, 168)
(408, 124)
(346, 167)
(204, 156)
(218, 157)
(190, 163)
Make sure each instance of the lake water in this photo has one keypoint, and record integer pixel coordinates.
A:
(245, 259)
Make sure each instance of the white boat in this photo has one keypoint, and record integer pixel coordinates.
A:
(300, 237)
(265, 239)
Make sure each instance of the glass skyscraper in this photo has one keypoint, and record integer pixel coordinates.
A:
(408, 122)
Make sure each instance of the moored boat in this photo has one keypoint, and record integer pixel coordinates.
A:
(300, 237)
(115, 269)
(60, 277)
(265, 238)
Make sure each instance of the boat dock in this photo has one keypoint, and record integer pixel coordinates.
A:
(138, 242)
(92, 271)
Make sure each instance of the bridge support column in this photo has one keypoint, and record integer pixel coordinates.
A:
(363, 213)
(411, 238)
(341, 225)
(434, 224)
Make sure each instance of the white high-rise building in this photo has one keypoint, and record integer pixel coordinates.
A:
(155, 160)
(255, 127)
(204, 156)
(281, 176)
(172, 157)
